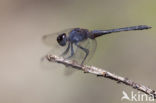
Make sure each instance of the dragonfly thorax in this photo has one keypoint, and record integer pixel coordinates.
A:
(77, 35)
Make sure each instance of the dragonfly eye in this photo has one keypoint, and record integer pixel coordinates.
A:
(62, 39)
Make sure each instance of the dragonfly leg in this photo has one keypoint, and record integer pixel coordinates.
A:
(72, 51)
(85, 50)
(66, 51)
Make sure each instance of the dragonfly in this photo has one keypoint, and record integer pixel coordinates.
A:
(82, 41)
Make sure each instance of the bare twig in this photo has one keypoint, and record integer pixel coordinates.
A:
(103, 73)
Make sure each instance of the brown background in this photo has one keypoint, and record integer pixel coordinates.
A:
(130, 54)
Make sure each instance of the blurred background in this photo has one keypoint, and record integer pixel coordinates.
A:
(23, 79)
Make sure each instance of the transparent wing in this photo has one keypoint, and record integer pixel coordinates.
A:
(56, 49)
(79, 55)
(50, 39)
(92, 48)
(69, 71)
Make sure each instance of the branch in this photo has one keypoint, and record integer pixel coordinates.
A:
(102, 73)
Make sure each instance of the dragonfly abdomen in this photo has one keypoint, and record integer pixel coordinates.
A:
(97, 33)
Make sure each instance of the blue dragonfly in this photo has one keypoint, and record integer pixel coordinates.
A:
(81, 43)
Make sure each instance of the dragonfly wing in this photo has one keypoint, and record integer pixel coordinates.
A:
(92, 48)
(50, 39)
(56, 49)
(79, 55)
(69, 71)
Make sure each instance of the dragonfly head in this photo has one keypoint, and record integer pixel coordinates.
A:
(62, 39)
